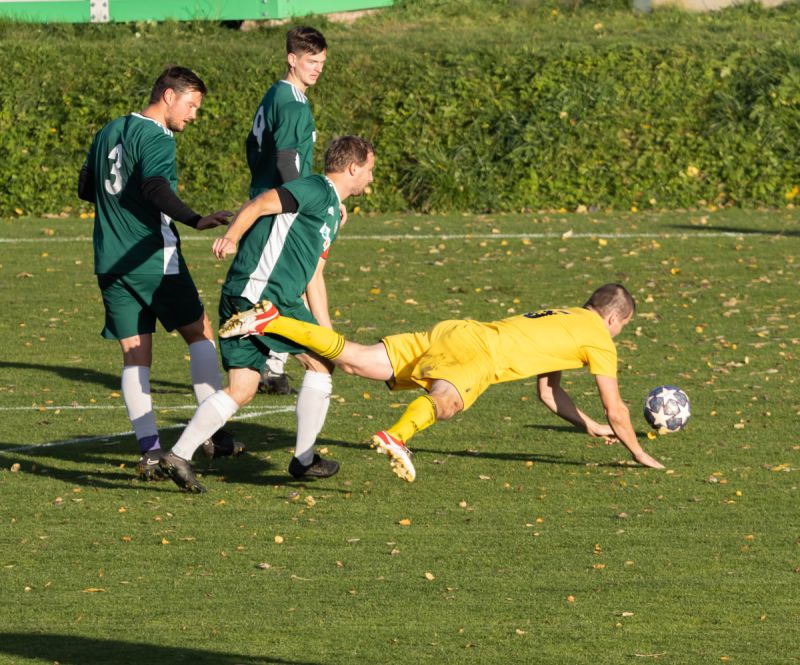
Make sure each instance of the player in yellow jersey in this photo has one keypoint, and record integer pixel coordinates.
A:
(458, 360)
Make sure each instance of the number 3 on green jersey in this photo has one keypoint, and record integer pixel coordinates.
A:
(114, 183)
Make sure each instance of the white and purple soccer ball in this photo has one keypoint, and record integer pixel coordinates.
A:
(667, 409)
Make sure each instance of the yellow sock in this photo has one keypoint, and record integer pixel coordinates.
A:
(421, 413)
(322, 341)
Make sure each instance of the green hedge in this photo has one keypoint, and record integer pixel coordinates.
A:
(525, 110)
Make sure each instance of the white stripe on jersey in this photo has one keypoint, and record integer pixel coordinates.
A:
(168, 132)
(269, 257)
(171, 263)
(298, 95)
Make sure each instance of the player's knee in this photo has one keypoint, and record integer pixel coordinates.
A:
(240, 396)
(446, 408)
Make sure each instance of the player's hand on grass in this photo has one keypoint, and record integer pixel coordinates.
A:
(646, 460)
(219, 218)
(223, 247)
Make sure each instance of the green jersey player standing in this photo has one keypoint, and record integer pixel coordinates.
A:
(280, 146)
(130, 175)
(283, 236)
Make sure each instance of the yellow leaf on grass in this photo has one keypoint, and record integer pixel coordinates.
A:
(93, 589)
(430, 577)
(405, 522)
(279, 540)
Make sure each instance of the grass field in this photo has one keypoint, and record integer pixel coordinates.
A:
(528, 541)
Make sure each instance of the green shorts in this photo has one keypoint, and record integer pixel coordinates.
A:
(134, 303)
(252, 351)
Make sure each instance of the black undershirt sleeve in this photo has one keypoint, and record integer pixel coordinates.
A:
(156, 190)
(86, 185)
(286, 163)
(288, 202)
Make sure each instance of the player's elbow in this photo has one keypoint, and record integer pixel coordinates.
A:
(618, 415)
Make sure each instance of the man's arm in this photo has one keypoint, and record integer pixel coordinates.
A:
(555, 398)
(271, 202)
(620, 420)
(86, 185)
(286, 161)
(157, 190)
(317, 296)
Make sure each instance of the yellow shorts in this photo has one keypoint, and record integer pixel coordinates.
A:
(454, 351)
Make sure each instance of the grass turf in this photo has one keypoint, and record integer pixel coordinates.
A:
(527, 541)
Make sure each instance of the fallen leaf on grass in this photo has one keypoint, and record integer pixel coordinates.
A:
(430, 577)
(405, 522)
(15, 467)
(92, 589)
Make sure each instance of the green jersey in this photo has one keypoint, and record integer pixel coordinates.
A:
(132, 236)
(283, 121)
(278, 255)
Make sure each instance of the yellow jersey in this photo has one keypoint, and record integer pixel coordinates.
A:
(472, 355)
(551, 340)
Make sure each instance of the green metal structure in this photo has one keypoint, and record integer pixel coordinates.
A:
(104, 11)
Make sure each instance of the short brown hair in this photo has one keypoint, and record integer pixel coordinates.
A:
(346, 150)
(180, 79)
(612, 298)
(303, 39)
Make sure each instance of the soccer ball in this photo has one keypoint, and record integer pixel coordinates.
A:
(667, 409)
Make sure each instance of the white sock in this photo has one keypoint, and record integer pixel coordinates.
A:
(212, 414)
(203, 365)
(136, 394)
(276, 362)
(313, 401)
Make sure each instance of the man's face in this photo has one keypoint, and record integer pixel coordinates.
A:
(181, 108)
(362, 175)
(306, 67)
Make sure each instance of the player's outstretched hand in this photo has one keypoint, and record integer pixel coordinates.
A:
(343, 213)
(219, 218)
(223, 247)
(646, 460)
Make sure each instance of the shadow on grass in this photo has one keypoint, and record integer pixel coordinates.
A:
(525, 453)
(737, 230)
(101, 379)
(104, 466)
(73, 650)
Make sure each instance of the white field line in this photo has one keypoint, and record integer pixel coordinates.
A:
(457, 236)
(92, 439)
